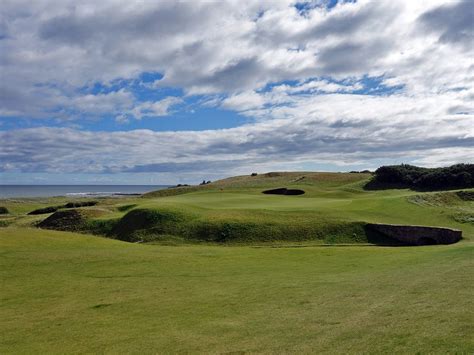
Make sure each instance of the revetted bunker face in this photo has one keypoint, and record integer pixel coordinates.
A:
(283, 191)
(418, 235)
(426, 241)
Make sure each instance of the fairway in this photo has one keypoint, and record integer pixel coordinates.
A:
(70, 293)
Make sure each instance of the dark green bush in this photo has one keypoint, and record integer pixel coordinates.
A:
(3, 210)
(456, 176)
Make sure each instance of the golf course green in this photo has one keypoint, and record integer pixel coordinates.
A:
(225, 268)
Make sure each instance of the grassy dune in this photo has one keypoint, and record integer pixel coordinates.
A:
(69, 293)
(334, 209)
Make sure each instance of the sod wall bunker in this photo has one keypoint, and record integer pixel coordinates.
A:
(418, 235)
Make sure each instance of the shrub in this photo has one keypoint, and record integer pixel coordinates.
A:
(456, 176)
(3, 210)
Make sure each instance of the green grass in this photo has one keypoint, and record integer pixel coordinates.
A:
(70, 293)
(229, 269)
(334, 209)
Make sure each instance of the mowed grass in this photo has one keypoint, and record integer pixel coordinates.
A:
(323, 204)
(70, 293)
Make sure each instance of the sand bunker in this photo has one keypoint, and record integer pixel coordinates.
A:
(283, 191)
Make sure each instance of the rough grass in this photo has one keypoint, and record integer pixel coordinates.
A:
(72, 219)
(333, 209)
(69, 293)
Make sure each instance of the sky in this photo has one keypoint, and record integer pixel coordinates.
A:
(148, 92)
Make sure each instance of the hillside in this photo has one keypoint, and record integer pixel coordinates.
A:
(334, 208)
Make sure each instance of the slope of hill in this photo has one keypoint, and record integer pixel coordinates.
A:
(334, 208)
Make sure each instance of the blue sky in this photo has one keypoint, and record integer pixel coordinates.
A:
(169, 92)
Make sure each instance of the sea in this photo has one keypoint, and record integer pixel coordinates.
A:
(13, 191)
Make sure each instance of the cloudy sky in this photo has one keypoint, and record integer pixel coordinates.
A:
(145, 92)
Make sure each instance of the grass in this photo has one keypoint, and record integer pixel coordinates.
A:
(334, 209)
(71, 293)
(224, 268)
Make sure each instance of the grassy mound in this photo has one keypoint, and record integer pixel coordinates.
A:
(262, 181)
(51, 209)
(148, 225)
(69, 220)
(76, 220)
(334, 209)
(141, 224)
(173, 191)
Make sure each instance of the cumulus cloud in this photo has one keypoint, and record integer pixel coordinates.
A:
(305, 78)
(453, 22)
(222, 47)
(364, 131)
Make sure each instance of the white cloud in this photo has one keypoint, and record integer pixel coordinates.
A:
(230, 52)
(226, 47)
(154, 109)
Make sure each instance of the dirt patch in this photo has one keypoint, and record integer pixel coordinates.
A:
(283, 191)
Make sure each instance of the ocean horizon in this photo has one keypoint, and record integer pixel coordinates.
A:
(22, 191)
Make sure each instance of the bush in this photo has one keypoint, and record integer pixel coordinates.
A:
(3, 210)
(456, 176)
